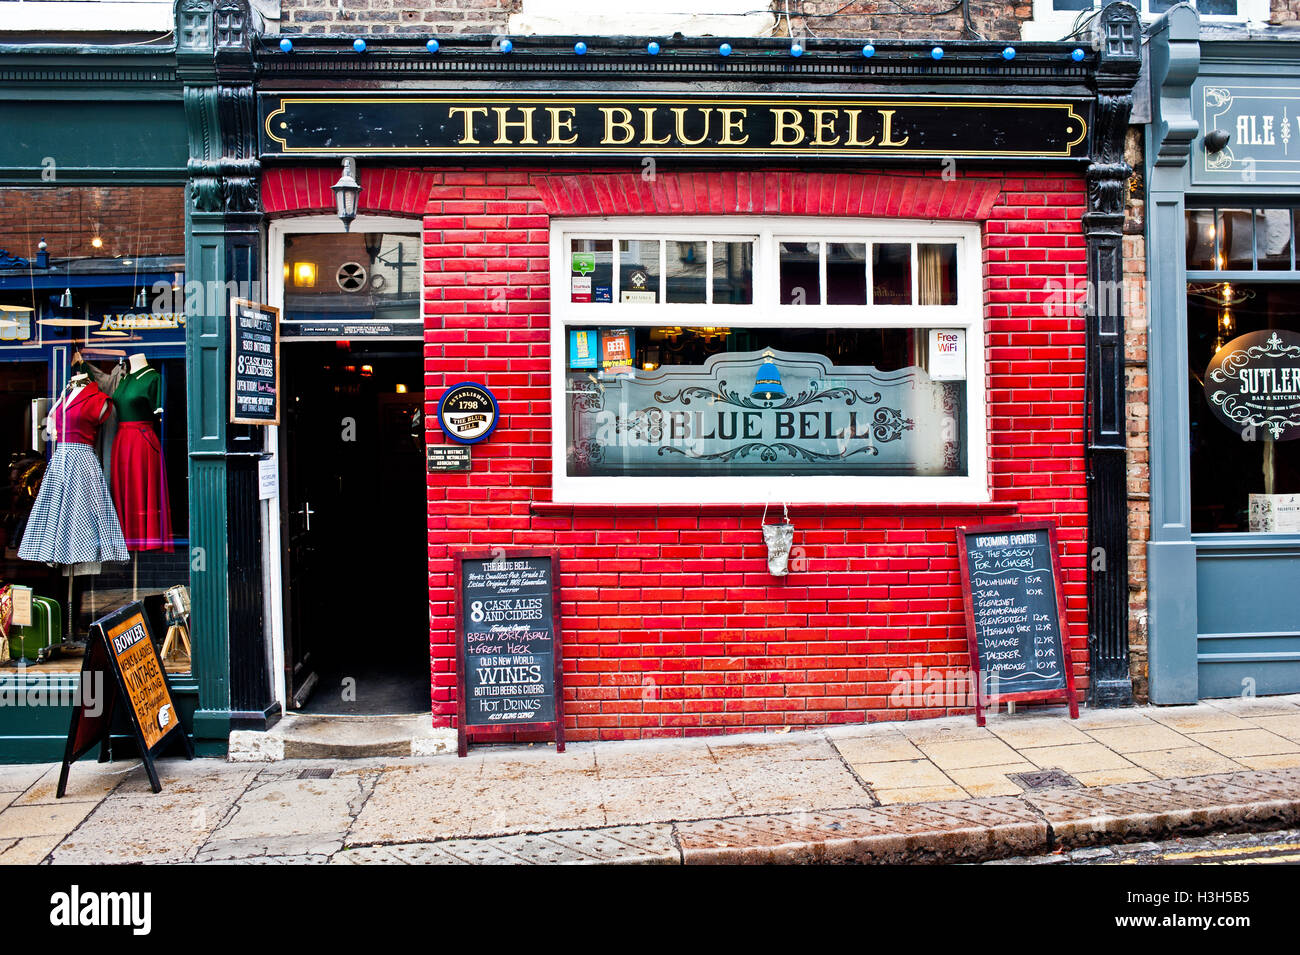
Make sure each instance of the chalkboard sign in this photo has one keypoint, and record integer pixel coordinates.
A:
(1015, 614)
(254, 363)
(122, 663)
(508, 656)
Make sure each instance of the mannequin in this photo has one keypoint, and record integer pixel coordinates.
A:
(73, 521)
(136, 474)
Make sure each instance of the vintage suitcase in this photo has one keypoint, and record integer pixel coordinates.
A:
(46, 630)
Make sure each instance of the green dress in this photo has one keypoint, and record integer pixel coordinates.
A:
(138, 397)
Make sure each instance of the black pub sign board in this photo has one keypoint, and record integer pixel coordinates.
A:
(122, 668)
(508, 659)
(254, 363)
(611, 123)
(1015, 614)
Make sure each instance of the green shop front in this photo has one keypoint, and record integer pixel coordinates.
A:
(93, 357)
(1223, 217)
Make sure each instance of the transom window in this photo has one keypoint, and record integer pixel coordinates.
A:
(755, 359)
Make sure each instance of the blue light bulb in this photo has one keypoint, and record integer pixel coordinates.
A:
(937, 53)
(1077, 55)
(359, 45)
(286, 45)
(506, 46)
(1009, 53)
(725, 49)
(652, 48)
(432, 46)
(868, 51)
(580, 48)
(796, 50)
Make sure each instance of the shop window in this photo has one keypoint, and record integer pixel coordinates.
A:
(840, 366)
(1243, 349)
(1070, 19)
(92, 396)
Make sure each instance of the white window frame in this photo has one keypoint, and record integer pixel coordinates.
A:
(766, 312)
(1050, 24)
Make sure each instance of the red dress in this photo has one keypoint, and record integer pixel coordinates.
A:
(137, 478)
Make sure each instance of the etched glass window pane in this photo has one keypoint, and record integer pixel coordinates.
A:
(695, 401)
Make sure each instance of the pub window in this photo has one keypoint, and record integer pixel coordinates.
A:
(1243, 350)
(757, 359)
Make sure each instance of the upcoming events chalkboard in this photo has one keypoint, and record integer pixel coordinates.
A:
(254, 363)
(508, 656)
(1015, 613)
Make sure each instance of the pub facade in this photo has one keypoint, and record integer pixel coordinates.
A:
(763, 323)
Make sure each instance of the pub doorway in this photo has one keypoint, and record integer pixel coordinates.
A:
(354, 559)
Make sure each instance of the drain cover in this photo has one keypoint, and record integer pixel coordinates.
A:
(1044, 779)
(316, 774)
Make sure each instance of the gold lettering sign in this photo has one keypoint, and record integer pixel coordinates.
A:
(629, 123)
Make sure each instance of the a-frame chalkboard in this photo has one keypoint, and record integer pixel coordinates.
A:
(509, 665)
(121, 644)
(1015, 614)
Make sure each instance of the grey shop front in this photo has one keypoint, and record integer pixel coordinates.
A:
(1223, 217)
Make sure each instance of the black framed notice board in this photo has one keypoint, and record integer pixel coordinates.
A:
(1015, 614)
(254, 363)
(509, 666)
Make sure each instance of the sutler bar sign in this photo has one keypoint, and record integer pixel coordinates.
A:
(612, 123)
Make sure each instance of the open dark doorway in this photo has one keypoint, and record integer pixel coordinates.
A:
(353, 505)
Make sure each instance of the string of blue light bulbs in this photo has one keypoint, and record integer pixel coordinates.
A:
(580, 48)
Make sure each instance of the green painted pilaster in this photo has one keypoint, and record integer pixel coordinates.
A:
(223, 261)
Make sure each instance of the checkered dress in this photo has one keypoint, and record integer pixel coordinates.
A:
(73, 520)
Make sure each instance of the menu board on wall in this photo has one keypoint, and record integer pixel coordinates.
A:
(508, 645)
(1015, 614)
(122, 665)
(254, 363)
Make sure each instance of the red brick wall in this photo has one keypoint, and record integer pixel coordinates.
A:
(132, 220)
(672, 625)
